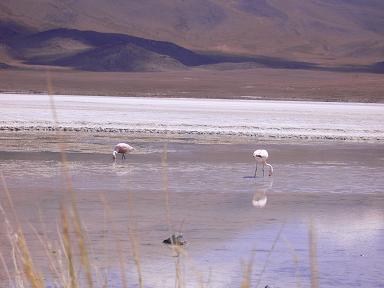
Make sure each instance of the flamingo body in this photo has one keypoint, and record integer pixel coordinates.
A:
(122, 148)
(261, 156)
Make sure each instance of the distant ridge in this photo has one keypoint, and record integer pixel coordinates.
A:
(326, 32)
(4, 66)
(97, 51)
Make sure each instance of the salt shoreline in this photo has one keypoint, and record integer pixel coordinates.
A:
(193, 133)
(263, 120)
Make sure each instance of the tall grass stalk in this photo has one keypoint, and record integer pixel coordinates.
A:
(164, 166)
(312, 238)
(66, 267)
(84, 257)
(133, 240)
(34, 278)
(20, 249)
(47, 247)
(247, 273)
(177, 250)
(4, 264)
(270, 254)
(119, 251)
(75, 214)
(295, 259)
(68, 248)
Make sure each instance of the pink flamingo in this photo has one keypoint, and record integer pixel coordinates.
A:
(261, 156)
(122, 148)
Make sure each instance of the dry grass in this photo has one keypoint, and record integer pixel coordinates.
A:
(134, 241)
(71, 265)
(313, 254)
(73, 248)
(22, 259)
(120, 253)
(73, 236)
(247, 273)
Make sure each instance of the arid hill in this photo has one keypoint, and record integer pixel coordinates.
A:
(98, 51)
(326, 32)
(323, 50)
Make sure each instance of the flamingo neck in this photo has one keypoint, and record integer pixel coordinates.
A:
(114, 154)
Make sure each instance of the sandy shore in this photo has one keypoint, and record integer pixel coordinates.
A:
(211, 118)
(328, 192)
(261, 83)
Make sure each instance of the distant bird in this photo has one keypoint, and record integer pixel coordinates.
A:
(261, 156)
(122, 148)
(175, 239)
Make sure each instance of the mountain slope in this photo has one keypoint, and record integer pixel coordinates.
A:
(121, 57)
(96, 51)
(324, 32)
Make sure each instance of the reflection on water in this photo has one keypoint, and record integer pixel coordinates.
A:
(221, 226)
(262, 186)
(121, 169)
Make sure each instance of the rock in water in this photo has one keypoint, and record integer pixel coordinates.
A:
(175, 239)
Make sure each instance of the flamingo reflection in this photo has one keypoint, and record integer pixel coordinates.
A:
(259, 199)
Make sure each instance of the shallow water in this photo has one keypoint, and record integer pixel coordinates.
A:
(330, 193)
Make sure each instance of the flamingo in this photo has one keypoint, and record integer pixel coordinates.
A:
(261, 156)
(122, 148)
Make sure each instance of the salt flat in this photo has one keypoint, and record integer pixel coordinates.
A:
(255, 118)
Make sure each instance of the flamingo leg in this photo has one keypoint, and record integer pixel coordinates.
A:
(254, 176)
(123, 156)
(263, 169)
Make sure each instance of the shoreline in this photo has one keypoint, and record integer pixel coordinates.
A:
(196, 118)
(184, 95)
(260, 83)
(193, 135)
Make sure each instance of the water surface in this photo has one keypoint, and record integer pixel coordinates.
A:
(327, 195)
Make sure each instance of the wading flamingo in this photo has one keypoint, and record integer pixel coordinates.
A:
(122, 148)
(261, 156)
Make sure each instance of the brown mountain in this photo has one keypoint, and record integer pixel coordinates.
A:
(97, 51)
(272, 33)
(316, 29)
